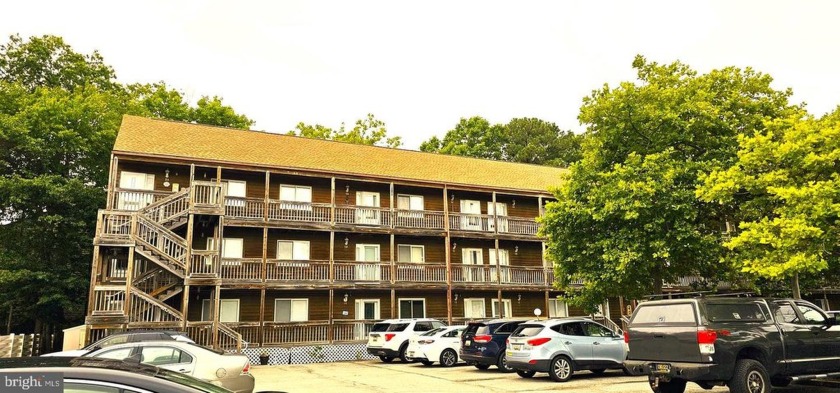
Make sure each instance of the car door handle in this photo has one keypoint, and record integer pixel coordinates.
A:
(568, 343)
(596, 343)
(183, 370)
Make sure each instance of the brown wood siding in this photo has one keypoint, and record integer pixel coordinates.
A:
(179, 174)
(319, 242)
(529, 254)
(345, 196)
(433, 248)
(251, 240)
(255, 187)
(482, 197)
(348, 253)
(339, 306)
(525, 206)
(462, 243)
(321, 188)
(530, 300)
(319, 302)
(615, 310)
(432, 198)
(435, 302)
(249, 302)
(201, 231)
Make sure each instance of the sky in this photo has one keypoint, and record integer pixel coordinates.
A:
(420, 66)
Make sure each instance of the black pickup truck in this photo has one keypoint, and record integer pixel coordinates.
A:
(747, 344)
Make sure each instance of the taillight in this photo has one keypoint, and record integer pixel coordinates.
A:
(389, 336)
(246, 368)
(482, 338)
(507, 342)
(538, 341)
(626, 337)
(706, 341)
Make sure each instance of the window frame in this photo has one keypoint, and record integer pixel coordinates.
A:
(412, 247)
(291, 309)
(469, 300)
(411, 299)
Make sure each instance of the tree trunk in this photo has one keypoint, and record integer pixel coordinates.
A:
(9, 320)
(796, 293)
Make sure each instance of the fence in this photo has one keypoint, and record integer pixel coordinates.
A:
(19, 345)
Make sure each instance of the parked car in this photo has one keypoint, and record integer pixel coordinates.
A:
(105, 375)
(126, 337)
(228, 370)
(389, 339)
(441, 345)
(562, 346)
(747, 343)
(483, 343)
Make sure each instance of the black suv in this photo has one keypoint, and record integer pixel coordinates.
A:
(483, 343)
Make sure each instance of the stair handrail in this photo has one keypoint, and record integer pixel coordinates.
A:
(166, 233)
(172, 199)
(232, 334)
(149, 299)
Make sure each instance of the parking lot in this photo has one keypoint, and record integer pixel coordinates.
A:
(374, 376)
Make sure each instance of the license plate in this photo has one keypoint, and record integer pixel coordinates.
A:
(375, 339)
(411, 354)
(517, 347)
(662, 368)
(468, 342)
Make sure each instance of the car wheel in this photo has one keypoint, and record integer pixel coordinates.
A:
(386, 359)
(426, 362)
(481, 366)
(750, 376)
(525, 374)
(403, 358)
(672, 386)
(560, 369)
(598, 371)
(448, 358)
(502, 364)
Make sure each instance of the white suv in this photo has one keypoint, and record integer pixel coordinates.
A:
(389, 339)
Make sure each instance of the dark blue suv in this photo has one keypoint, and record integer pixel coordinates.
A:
(483, 343)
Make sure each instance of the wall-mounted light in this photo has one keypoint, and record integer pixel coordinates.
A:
(347, 194)
(516, 250)
(519, 298)
(513, 204)
(346, 296)
(454, 246)
(346, 241)
(456, 297)
(166, 178)
(451, 198)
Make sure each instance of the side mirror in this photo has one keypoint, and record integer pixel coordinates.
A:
(830, 321)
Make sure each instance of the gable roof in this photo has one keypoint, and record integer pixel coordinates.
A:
(163, 138)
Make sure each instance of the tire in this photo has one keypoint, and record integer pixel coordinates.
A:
(386, 359)
(750, 376)
(448, 357)
(501, 363)
(481, 366)
(525, 374)
(672, 386)
(426, 362)
(598, 371)
(403, 358)
(560, 369)
(626, 371)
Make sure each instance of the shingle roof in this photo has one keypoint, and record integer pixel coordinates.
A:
(144, 136)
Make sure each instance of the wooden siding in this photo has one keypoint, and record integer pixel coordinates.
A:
(251, 240)
(434, 248)
(319, 242)
(319, 302)
(339, 306)
(525, 207)
(255, 181)
(321, 188)
(345, 197)
(482, 197)
(435, 302)
(348, 253)
(529, 255)
(179, 174)
(432, 198)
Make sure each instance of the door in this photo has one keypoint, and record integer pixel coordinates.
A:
(472, 259)
(504, 264)
(501, 216)
(367, 271)
(580, 345)
(170, 358)
(366, 309)
(135, 200)
(607, 349)
(367, 208)
(508, 308)
(799, 339)
(470, 215)
(474, 308)
(826, 339)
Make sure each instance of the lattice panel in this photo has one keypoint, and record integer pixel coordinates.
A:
(310, 354)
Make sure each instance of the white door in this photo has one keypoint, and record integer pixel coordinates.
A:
(366, 309)
(508, 308)
(472, 258)
(504, 264)
(136, 200)
(367, 216)
(474, 308)
(471, 215)
(501, 216)
(367, 271)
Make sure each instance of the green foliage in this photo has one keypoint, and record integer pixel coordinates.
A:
(786, 184)
(627, 218)
(527, 140)
(59, 115)
(367, 131)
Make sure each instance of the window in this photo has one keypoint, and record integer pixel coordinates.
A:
(159, 356)
(118, 354)
(135, 181)
(291, 310)
(557, 308)
(234, 192)
(367, 308)
(412, 308)
(474, 308)
(298, 197)
(504, 262)
(501, 216)
(472, 256)
(675, 314)
(423, 326)
(595, 330)
(786, 313)
(371, 215)
(811, 315)
(410, 253)
(410, 202)
(293, 250)
(507, 308)
(367, 271)
(471, 223)
(570, 329)
(229, 310)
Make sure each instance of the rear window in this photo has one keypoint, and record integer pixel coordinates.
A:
(380, 327)
(477, 328)
(678, 313)
(527, 330)
(749, 312)
(397, 327)
(507, 328)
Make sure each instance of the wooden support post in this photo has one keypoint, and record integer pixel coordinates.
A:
(264, 268)
(94, 273)
(495, 215)
(548, 283)
(330, 331)
(129, 277)
(332, 201)
(192, 187)
(112, 182)
(185, 298)
(540, 206)
(448, 253)
(545, 310)
(216, 313)
(393, 264)
(501, 304)
(394, 304)
(499, 279)
(262, 315)
(267, 195)
(332, 257)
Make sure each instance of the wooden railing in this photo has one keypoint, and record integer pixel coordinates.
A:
(523, 275)
(108, 300)
(204, 263)
(229, 339)
(163, 240)
(363, 215)
(241, 269)
(418, 219)
(245, 208)
(169, 208)
(248, 331)
(285, 270)
(421, 272)
(518, 225)
(349, 330)
(114, 224)
(473, 274)
(201, 332)
(362, 271)
(298, 211)
(145, 308)
(470, 222)
(132, 200)
(157, 279)
(206, 194)
(281, 333)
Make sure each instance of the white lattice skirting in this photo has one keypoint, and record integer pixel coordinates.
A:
(310, 354)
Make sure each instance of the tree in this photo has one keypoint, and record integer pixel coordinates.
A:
(627, 218)
(59, 115)
(787, 184)
(473, 137)
(367, 131)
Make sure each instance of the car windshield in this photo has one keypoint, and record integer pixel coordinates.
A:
(433, 332)
(527, 330)
(380, 327)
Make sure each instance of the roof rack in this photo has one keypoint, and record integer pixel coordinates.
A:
(689, 295)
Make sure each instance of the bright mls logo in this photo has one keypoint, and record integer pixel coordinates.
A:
(32, 383)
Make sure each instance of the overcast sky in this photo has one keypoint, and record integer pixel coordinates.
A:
(421, 65)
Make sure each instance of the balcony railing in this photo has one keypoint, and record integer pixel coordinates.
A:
(482, 274)
(108, 300)
(291, 271)
(518, 225)
(241, 269)
(245, 208)
(298, 211)
(114, 225)
(418, 219)
(206, 194)
(204, 263)
(523, 275)
(421, 272)
(132, 200)
(363, 215)
(347, 330)
(470, 222)
(356, 271)
(281, 333)
(250, 331)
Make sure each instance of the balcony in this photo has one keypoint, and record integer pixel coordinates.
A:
(278, 270)
(108, 300)
(283, 333)
(420, 272)
(241, 269)
(362, 272)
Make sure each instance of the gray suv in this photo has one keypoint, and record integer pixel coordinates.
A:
(562, 346)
